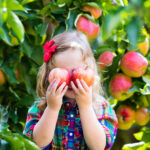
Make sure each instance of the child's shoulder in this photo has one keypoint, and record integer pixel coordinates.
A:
(103, 109)
(34, 107)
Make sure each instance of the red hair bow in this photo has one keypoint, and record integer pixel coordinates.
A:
(48, 49)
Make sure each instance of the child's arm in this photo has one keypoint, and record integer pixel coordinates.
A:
(43, 131)
(93, 131)
(99, 131)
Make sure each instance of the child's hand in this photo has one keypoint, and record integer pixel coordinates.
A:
(83, 93)
(54, 94)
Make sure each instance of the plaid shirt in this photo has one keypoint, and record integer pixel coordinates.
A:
(68, 132)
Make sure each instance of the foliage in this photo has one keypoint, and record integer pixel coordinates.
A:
(23, 30)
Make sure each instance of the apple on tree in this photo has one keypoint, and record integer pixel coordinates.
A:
(142, 116)
(119, 86)
(105, 59)
(95, 12)
(134, 64)
(88, 27)
(126, 117)
(59, 73)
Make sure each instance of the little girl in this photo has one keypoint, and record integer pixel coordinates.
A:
(70, 117)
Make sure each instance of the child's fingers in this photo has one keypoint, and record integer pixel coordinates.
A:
(55, 85)
(80, 87)
(64, 90)
(59, 90)
(85, 86)
(50, 85)
(74, 88)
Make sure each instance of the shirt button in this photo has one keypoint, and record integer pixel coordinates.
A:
(67, 104)
(70, 134)
(71, 115)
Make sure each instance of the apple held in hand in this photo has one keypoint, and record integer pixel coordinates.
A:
(59, 73)
(85, 74)
(125, 116)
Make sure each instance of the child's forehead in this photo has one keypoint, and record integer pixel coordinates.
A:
(69, 57)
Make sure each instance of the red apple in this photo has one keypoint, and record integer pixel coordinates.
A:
(125, 116)
(105, 59)
(59, 73)
(119, 86)
(86, 74)
(88, 27)
(96, 12)
(134, 64)
(142, 116)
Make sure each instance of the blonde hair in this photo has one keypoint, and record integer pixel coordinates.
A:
(65, 41)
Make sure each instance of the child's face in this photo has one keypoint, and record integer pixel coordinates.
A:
(70, 59)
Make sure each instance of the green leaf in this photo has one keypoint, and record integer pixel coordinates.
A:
(4, 145)
(10, 74)
(13, 115)
(41, 28)
(27, 1)
(37, 54)
(59, 29)
(16, 25)
(146, 78)
(93, 4)
(15, 142)
(30, 145)
(145, 90)
(62, 3)
(71, 19)
(3, 114)
(14, 5)
(135, 146)
(133, 29)
(56, 9)
(3, 14)
(111, 22)
(4, 35)
(26, 48)
(143, 135)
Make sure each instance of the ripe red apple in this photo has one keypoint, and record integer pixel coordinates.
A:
(88, 27)
(134, 64)
(119, 86)
(96, 12)
(2, 78)
(125, 116)
(105, 59)
(86, 74)
(142, 116)
(59, 73)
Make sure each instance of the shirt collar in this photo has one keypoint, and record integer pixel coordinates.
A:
(68, 105)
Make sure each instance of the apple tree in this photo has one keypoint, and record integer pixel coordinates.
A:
(118, 31)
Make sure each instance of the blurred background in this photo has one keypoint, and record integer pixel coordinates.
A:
(118, 32)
